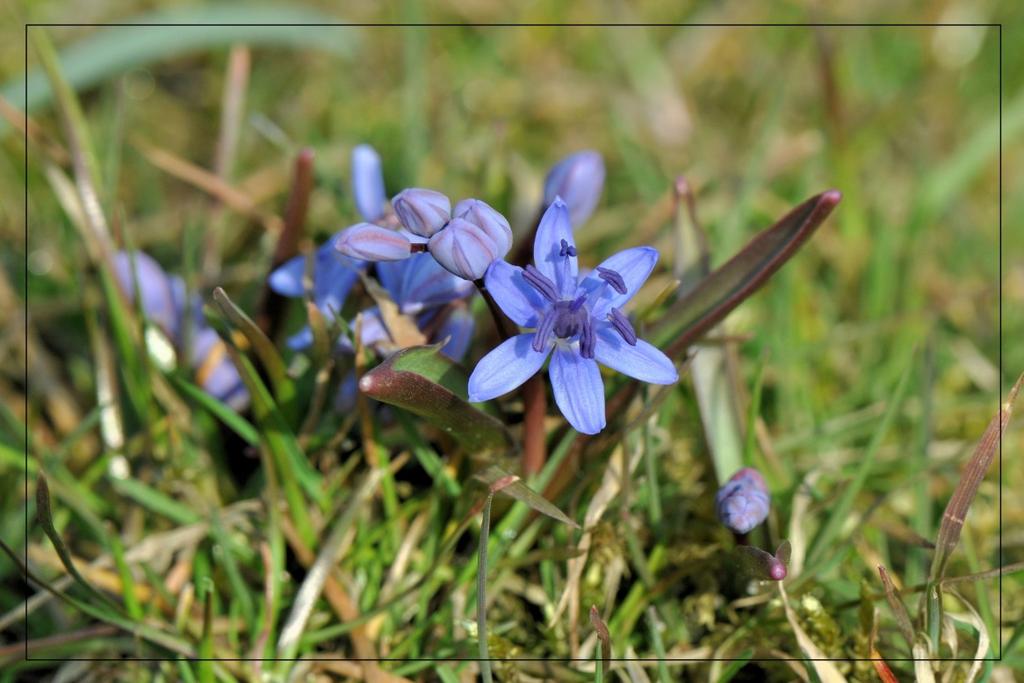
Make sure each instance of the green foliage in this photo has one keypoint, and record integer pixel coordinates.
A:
(178, 527)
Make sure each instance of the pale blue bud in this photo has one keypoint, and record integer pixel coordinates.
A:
(368, 182)
(373, 243)
(743, 502)
(496, 226)
(422, 212)
(465, 249)
(578, 179)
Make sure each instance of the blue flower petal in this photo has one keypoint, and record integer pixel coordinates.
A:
(348, 389)
(519, 301)
(458, 329)
(158, 297)
(215, 372)
(419, 283)
(547, 246)
(373, 331)
(368, 182)
(506, 367)
(578, 389)
(333, 276)
(634, 265)
(301, 340)
(643, 361)
(286, 279)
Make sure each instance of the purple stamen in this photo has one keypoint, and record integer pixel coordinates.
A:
(622, 325)
(566, 249)
(544, 328)
(541, 283)
(575, 305)
(612, 278)
(587, 338)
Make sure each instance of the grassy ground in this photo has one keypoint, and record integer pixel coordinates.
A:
(875, 352)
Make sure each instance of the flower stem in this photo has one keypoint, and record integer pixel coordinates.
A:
(534, 398)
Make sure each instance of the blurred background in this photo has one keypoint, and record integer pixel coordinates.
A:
(903, 120)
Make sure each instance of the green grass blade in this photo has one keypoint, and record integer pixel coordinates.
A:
(822, 544)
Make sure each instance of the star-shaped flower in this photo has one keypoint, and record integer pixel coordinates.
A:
(577, 321)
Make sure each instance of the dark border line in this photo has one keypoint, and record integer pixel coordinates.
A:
(998, 26)
(537, 25)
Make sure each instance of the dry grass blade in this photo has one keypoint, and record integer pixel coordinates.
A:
(401, 327)
(826, 670)
(974, 620)
(83, 160)
(899, 610)
(313, 586)
(956, 510)
(208, 182)
(611, 484)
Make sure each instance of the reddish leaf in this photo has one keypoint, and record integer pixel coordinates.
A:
(725, 288)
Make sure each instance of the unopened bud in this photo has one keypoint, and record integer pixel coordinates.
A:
(482, 215)
(422, 212)
(578, 179)
(743, 502)
(368, 182)
(373, 243)
(465, 249)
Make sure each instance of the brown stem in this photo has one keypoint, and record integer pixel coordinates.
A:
(272, 304)
(534, 397)
(535, 408)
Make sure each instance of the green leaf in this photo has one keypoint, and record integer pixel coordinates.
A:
(235, 422)
(155, 501)
(508, 483)
(429, 385)
(116, 49)
(727, 287)
(284, 388)
(290, 461)
(44, 516)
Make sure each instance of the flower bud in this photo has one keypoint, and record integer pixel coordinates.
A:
(743, 502)
(465, 249)
(487, 219)
(373, 243)
(368, 182)
(578, 179)
(423, 212)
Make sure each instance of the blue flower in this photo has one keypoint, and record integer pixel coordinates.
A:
(163, 302)
(577, 321)
(743, 502)
(333, 278)
(420, 287)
